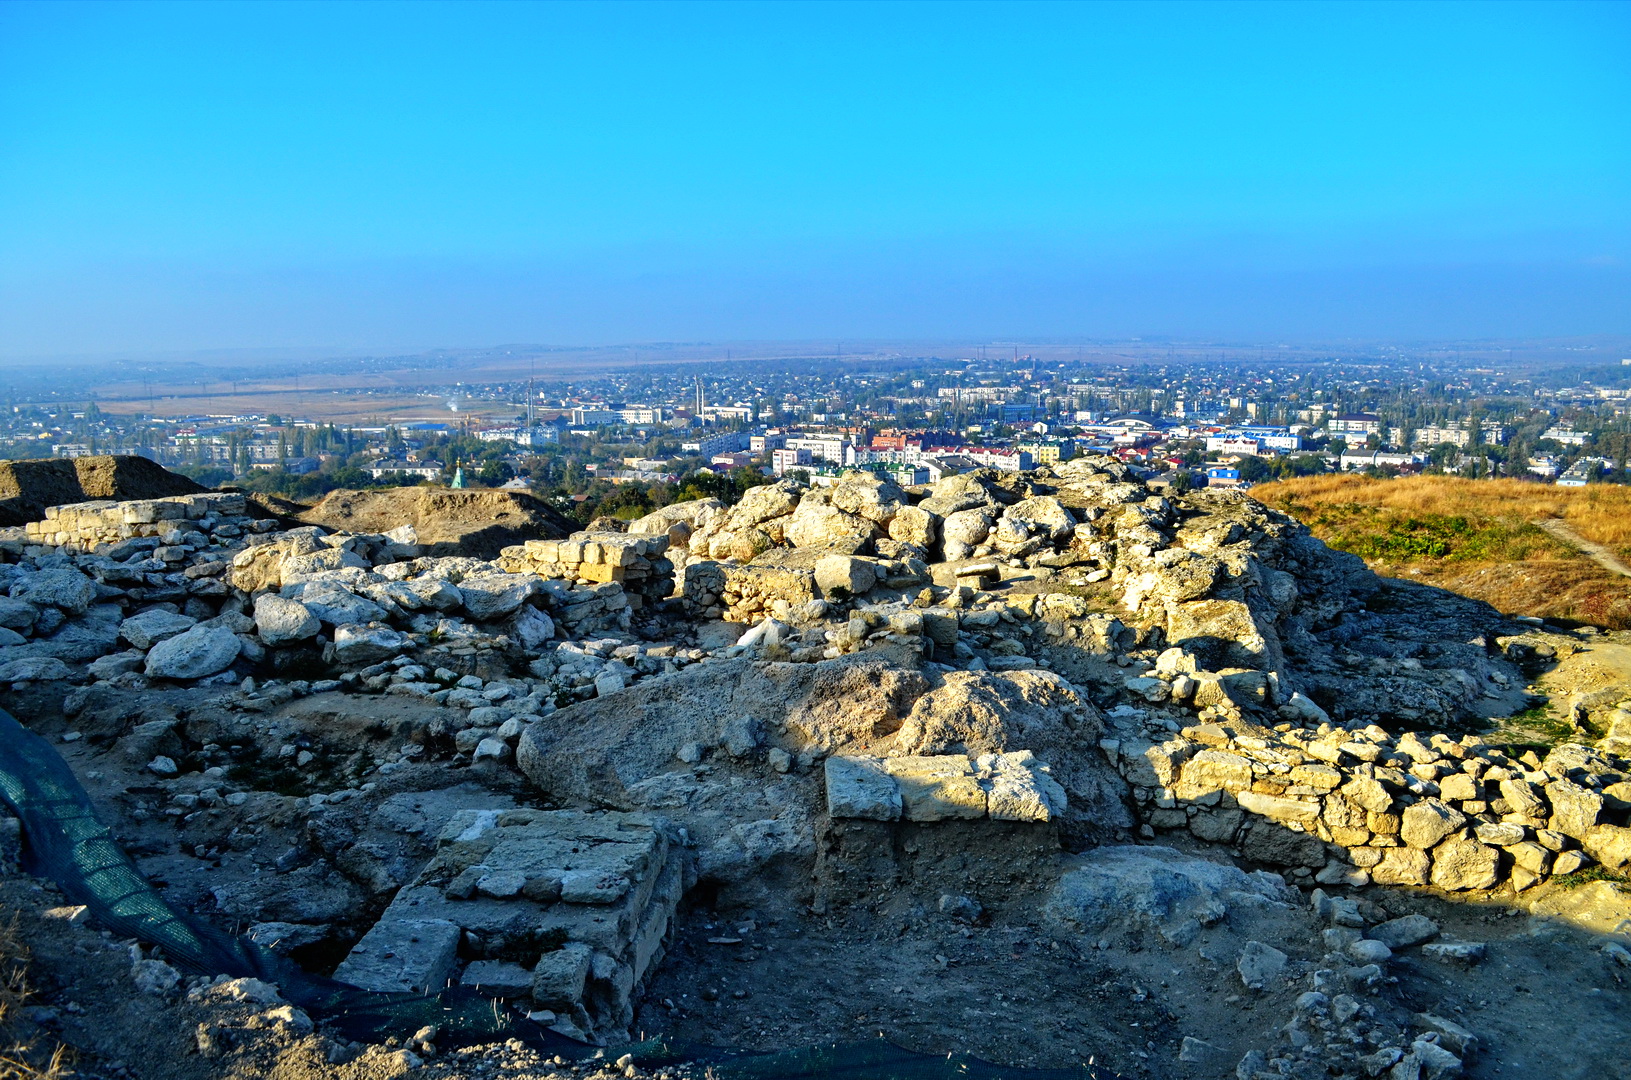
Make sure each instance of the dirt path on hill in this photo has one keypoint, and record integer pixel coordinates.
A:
(1597, 553)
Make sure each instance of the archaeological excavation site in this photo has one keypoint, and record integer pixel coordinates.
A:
(1035, 774)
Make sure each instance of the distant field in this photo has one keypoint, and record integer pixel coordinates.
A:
(1475, 537)
(328, 406)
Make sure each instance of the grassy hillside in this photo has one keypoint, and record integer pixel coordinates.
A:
(1476, 537)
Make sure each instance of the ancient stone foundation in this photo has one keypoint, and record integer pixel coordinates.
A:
(1359, 806)
(635, 561)
(80, 527)
(571, 909)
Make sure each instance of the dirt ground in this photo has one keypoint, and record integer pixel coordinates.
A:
(775, 967)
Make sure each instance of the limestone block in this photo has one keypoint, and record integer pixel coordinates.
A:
(1521, 796)
(854, 576)
(938, 788)
(1531, 856)
(1017, 792)
(1609, 845)
(1425, 823)
(1574, 809)
(559, 977)
(151, 627)
(194, 653)
(1213, 770)
(859, 787)
(1401, 866)
(1462, 863)
(1500, 834)
(1278, 808)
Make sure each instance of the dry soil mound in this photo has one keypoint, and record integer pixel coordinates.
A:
(474, 523)
(28, 487)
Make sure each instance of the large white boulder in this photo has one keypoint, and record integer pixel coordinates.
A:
(281, 621)
(493, 596)
(151, 627)
(367, 644)
(193, 654)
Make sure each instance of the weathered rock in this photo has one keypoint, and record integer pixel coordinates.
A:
(17, 614)
(816, 524)
(1401, 866)
(966, 491)
(493, 596)
(34, 669)
(1603, 907)
(869, 496)
(1574, 809)
(153, 626)
(1461, 863)
(1159, 888)
(600, 749)
(333, 603)
(1608, 844)
(1405, 931)
(1427, 822)
(849, 575)
(193, 654)
(860, 787)
(915, 525)
(281, 621)
(1260, 965)
(65, 589)
(355, 645)
(403, 955)
(963, 531)
(991, 712)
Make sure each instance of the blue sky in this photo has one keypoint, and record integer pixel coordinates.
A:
(391, 176)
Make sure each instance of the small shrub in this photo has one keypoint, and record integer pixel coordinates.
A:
(1593, 873)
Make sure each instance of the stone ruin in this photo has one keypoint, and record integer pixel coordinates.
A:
(1032, 687)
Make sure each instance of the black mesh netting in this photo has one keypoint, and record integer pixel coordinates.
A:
(64, 841)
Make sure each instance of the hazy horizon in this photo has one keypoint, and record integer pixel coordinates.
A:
(342, 178)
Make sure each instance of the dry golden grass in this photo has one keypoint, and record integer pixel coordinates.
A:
(1600, 512)
(1475, 537)
(22, 1059)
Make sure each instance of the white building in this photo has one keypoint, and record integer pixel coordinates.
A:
(1364, 460)
(1566, 435)
(782, 459)
(821, 447)
(1233, 444)
(1003, 460)
(1362, 424)
(425, 470)
(727, 442)
(595, 417)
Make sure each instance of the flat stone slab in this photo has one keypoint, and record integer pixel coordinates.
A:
(1006, 787)
(416, 955)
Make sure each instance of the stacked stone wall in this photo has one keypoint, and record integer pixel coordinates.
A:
(1356, 806)
(637, 562)
(82, 527)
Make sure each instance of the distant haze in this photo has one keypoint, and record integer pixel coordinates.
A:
(381, 177)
